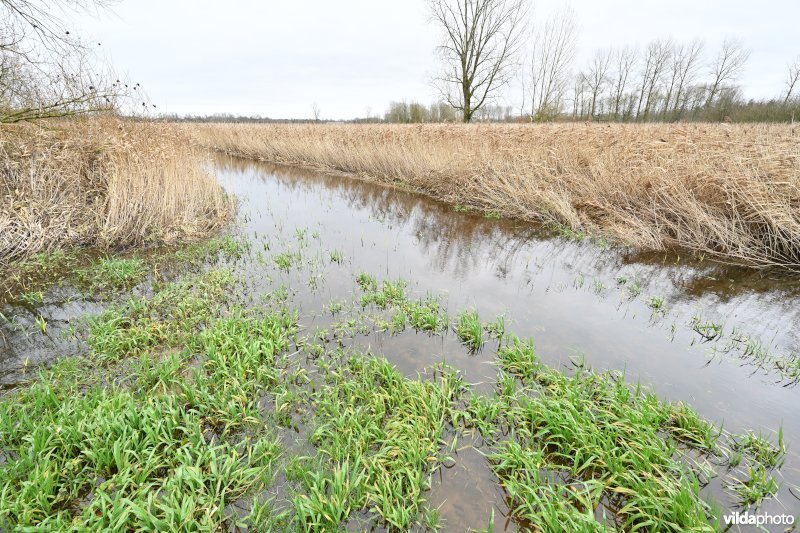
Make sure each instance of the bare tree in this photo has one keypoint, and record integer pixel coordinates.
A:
(315, 111)
(481, 39)
(727, 67)
(550, 64)
(684, 65)
(792, 79)
(656, 57)
(578, 97)
(597, 76)
(624, 61)
(46, 70)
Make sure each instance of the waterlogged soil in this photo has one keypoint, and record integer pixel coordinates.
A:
(722, 339)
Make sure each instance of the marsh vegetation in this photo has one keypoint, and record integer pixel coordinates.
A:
(103, 183)
(542, 344)
(191, 392)
(289, 378)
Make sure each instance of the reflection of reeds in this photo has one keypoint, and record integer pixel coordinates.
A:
(102, 182)
(728, 191)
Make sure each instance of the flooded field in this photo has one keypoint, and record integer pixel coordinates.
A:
(379, 271)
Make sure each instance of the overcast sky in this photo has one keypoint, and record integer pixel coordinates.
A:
(277, 57)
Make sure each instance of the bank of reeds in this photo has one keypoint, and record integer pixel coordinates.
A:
(103, 183)
(727, 191)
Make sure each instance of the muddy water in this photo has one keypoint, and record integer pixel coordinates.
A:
(577, 300)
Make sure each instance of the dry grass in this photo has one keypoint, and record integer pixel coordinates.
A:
(102, 182)
(729, 191)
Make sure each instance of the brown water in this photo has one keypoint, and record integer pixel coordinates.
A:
(566, 295)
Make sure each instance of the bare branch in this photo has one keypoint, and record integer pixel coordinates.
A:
(792, 79)
(46, 71)
(550, 63)
(727, 67)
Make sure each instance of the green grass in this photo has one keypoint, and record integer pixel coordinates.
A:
(41, 323)
(426, 315)
(761, 449)
(227, 247)
(168, 452)
(31, 298)
(497, 328)
(367, 282)
(391, 293)
(114, 273)
(755, 488)
(568, 233)
(171, 318)
(335, 307)
(286, 260)
(575, 442)
(336, 256)
(36, 272)
(179, 411)
(377, 435)
(708, 330)
(470, 330)
(656, 303)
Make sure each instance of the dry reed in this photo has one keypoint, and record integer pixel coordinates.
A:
(728, 191)
(105, 183)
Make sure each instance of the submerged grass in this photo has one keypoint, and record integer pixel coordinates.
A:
(114, 273)
(177, 419)
(144, 443)
(589, 442)
(378, 434)
(470, 330)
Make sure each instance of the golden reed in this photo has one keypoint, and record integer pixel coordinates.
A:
(103, 182)
(728, 191)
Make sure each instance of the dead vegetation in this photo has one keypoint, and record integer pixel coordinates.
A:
(105, 183)
(727, 191)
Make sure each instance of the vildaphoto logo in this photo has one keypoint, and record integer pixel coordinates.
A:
(758, 519)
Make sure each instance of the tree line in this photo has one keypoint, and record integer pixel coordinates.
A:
(487, 45)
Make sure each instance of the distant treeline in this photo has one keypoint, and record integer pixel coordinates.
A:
(231, 118)
(730, 107)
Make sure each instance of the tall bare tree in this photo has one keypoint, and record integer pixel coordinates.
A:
(727, 66)
(792, 79)
(597, 76)
(624, 62)
(481, 40)
(656, 57)
(683, 70)
(578, 97)
(551, 60)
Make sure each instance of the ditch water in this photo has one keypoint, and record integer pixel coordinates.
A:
(719, 338)
(575, 299)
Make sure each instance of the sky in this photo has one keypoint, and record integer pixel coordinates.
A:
(276, 58)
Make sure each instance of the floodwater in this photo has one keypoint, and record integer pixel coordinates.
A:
(576, 299)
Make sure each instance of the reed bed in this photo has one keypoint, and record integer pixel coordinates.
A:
(721, 190)
(104, 183)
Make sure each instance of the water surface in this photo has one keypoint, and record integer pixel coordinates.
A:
(575, 299)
